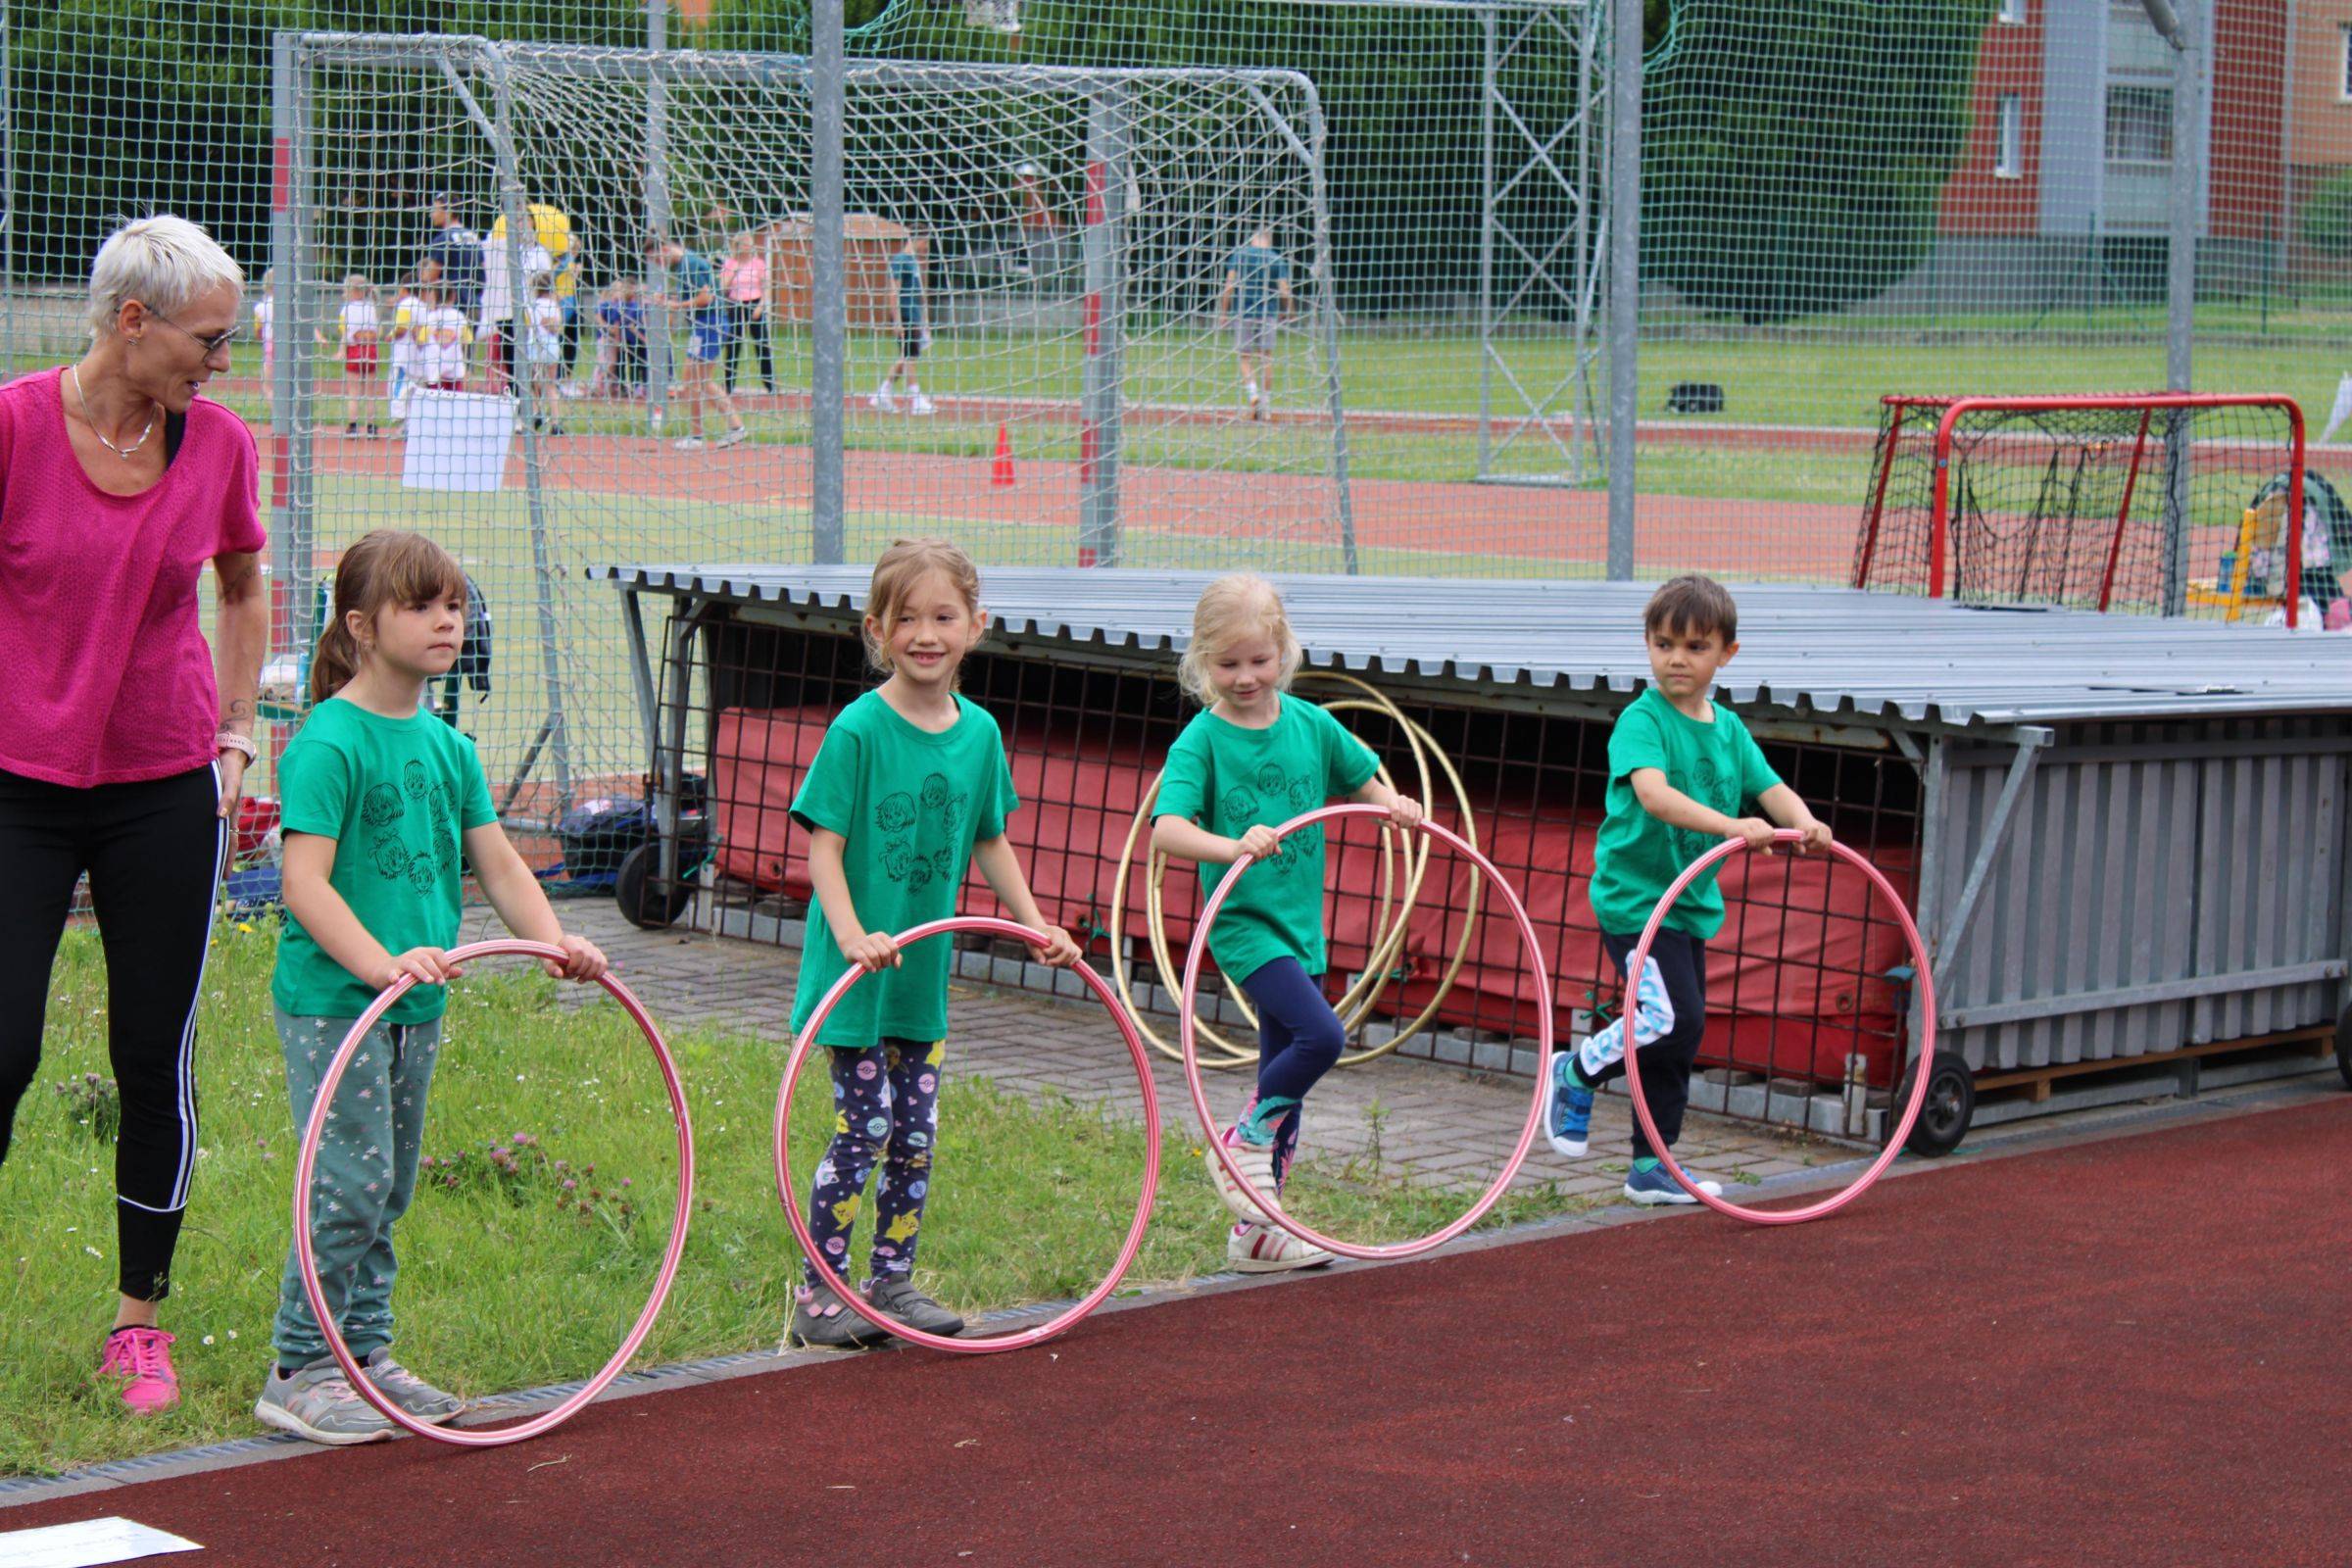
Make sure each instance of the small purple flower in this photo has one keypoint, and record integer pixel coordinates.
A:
(571, 1186)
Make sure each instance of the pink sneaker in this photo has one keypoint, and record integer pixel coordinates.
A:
(143, 1359)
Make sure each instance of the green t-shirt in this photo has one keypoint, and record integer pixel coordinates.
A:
(397, 796)
(1229, 779)
(1638, 856)
(1257, 271)
(911, 806)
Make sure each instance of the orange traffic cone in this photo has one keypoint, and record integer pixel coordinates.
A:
(999, 471)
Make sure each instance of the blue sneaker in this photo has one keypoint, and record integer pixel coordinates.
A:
(1569, 1123)
(1656, 1185)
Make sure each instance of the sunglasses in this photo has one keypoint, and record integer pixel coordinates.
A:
(218, 343)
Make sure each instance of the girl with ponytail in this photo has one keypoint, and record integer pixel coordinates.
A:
(385, 808)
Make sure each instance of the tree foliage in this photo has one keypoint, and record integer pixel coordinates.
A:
(1795, 156)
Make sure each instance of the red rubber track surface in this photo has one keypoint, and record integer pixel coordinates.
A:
(2126, 1352)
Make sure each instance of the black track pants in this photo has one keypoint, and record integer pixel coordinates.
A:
(152, 853)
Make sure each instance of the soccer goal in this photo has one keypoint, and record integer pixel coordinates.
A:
(1055, 280)
(2162, 503)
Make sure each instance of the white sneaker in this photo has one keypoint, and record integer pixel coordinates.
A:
(687, 443)
(882, 401)
(920, 405)
(1256, 1162)
(1269, 1249)
(732, 437)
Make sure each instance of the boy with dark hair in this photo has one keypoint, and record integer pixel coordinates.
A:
(1681, 767)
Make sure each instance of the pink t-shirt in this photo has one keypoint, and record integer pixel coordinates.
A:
(109, 679)
(743, 277)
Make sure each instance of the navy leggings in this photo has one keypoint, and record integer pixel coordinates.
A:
(1682, 960)
(1298, 1039)
(886, 1115)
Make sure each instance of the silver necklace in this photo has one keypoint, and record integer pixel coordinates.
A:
(91, 420)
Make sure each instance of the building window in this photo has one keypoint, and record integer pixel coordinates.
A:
(2139, 124)
(2346, 87)
(2015, 11)
(2008, 157)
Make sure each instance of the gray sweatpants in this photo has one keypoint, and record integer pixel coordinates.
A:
(365, 1177)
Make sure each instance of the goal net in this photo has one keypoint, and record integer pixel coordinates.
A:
(1062, 286)
(2169, 504)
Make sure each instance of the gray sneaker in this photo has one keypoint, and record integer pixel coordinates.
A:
(819, 1320)
(318, 1404)
(404, 1388)
(895, 1296)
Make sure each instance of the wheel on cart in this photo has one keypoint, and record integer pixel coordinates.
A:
(1944, 1116)
(2343, 1047)
(645, 900)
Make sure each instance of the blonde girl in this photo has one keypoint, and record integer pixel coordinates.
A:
(385, 808)
(360, 325)
(909, 788)
(1254, 756)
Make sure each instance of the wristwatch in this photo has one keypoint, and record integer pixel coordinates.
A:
(228, 740)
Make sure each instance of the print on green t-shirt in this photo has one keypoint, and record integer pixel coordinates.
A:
(910, 806)
(397, 796)
(1636, 857)
(1230, 779)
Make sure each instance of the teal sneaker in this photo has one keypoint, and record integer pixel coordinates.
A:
(1656, 1185)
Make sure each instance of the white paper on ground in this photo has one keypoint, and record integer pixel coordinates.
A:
(91, 1541)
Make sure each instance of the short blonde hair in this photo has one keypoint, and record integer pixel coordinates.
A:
(901, 568)
(166, 263)
(1241, 605)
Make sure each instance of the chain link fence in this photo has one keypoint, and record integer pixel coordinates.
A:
(1302, 284)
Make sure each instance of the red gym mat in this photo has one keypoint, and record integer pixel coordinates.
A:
(2125, 1352)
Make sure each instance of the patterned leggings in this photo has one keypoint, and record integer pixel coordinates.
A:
(885, 1112)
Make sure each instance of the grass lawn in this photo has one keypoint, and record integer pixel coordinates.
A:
(505, 1283)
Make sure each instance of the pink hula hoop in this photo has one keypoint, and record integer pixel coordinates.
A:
(1926, 1051)
(1544, 1028)
(313, 1287)
(806, 1040)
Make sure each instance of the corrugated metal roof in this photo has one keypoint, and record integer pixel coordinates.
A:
(1831, 654)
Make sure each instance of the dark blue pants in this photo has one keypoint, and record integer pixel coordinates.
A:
(1666, 1062)
(1298, 1039)
(886, 1114)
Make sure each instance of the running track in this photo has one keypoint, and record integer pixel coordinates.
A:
(2122, 1352)
(1743, 538)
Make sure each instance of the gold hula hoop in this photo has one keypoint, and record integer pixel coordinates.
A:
(1356, 1004)
(1387, 939)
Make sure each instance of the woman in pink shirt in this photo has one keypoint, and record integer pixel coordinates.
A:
(743, 279)
(124, 739)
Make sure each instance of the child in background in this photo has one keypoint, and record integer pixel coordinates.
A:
(603, 379)
(265, 321)
(910, 300)
(359, 325)
(408, 317)
(385, 808)
(909, 788)
(543, 349)
(441, 341)
(1680, 766)
(1252, 758)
